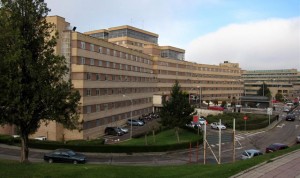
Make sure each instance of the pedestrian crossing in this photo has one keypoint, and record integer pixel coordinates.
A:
(213, 140)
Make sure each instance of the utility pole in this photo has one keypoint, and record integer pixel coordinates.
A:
(220, 136)
(233, 155)
(204, 143)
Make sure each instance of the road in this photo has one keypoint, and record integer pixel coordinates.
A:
(282, 131)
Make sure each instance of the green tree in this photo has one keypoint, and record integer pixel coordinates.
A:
(176, 111)
(32, 88)
(279, 97)
(264, 91)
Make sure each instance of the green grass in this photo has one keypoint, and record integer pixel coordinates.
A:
(11, 169)
(164, 138)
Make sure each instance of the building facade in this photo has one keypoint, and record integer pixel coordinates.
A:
(285, 81)
(122, 72)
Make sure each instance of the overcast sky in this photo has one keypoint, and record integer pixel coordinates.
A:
(257, 34)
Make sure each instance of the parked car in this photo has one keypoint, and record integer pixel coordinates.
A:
(64, 156)
(290, 117)
(193, 124)
(123, 129)
(113, 131)
(202, 121)
(217, 125)
(41, 138)
(275, 147)
(134, 122)
(298, 139)
(247, 154)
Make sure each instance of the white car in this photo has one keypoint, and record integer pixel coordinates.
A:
(216, 125)
(42, 138)
(202, 121)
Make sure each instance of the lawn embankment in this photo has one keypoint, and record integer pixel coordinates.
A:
(11, 169)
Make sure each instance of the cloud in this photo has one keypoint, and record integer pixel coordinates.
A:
(267, 44)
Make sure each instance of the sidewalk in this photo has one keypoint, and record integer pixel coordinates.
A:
(285, 166)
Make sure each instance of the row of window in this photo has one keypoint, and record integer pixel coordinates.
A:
(117, 78)
(116, 91)
(188, 74)
(183, 66)
(114, 118)
(114, 105)
(111, 52)
(113, 65)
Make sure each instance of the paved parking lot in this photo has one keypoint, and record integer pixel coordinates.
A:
(136, 130)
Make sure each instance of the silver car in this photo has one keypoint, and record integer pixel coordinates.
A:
(247, 154)
(298, 139)
(123, 129)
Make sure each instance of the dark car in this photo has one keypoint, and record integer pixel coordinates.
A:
(290, 117)
(64, 156)
(275, 147)
(113, 131)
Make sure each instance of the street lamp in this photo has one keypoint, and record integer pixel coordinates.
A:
(130, 115)
(190, 95)
(200, 96)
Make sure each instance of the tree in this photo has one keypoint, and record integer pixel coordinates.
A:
(264, 91)
(279, 97)
(176, 111)
(32, 88)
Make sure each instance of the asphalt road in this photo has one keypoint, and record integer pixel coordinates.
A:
(281, 131)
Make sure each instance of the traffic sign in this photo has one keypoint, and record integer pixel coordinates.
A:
(245, 117)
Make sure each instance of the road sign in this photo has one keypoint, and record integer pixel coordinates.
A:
(269, 111)
(245, 117)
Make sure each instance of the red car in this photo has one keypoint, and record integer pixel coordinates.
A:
(275, 147)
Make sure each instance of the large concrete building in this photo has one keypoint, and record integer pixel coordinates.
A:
(122, 71)
(285, 81)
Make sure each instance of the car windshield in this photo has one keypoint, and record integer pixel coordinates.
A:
(245, 153)
(71, 153)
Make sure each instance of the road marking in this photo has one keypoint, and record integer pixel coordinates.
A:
(280, 126)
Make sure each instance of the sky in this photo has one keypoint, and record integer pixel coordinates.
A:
(257, 34)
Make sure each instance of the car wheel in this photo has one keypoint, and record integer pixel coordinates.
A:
(75, 162)
(50, 161)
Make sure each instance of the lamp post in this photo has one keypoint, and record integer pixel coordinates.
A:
(190, 95)
(200, 96)
(130, 115)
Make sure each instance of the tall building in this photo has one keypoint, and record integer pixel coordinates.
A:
(122, 72)
(285, 81)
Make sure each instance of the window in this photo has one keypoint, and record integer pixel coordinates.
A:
(97, 76)
(107, 51)
(100, 50)
(114, 65)
(92, 47)
(88, 109)
(126, 56)
(121, 55)
(115, 53)
(105, 107)
(121, 66)
(98, 92)
(92, 61)
(82, 45)
(88, 92)
(82, 60)
(107, 64)
(99, 63)
(88, 76)
(97, 109)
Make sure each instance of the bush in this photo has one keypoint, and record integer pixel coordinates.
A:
(254, 121)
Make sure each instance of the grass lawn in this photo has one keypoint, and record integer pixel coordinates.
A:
(11, 169)
(164, 138)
